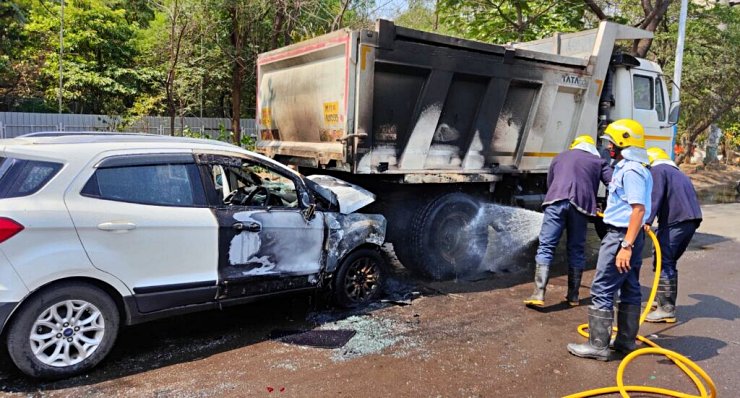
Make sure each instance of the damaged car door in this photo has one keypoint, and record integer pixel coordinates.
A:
(268, 241)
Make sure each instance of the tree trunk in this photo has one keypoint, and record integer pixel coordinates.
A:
(699, 127)
(237, 72)
(653, 17)
(277, 26)
(596, 10)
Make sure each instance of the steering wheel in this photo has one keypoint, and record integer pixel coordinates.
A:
(233, 198)
(252, 194)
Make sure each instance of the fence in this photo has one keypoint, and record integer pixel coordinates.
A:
(13, 124)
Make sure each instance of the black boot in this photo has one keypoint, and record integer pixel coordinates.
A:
(574, 283)
(628, 324)
(541, 276)
(666, 297)
(599, 332)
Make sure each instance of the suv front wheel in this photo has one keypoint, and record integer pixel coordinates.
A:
(359, 278)
(63, 330)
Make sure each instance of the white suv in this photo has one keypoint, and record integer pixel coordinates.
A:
(98, 231)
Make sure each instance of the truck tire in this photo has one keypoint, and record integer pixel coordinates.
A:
(63, 331)
(447, 238)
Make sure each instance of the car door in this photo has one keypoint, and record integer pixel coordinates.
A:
(268, 240)
(143, 218)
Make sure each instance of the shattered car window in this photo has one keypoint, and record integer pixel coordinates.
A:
(251, 184)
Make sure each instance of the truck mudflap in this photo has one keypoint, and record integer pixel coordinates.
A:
(347, 232)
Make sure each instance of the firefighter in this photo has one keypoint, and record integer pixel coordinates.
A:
(676, 206)
(572, 181)
(618, 269)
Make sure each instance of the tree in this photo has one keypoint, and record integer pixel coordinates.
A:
(99, 70)
(653, 13)
(422, 15)
(710, 91)
(13, 17)
(175, 21)
(511, 20)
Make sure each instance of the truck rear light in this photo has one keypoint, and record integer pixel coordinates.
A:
(8, 229)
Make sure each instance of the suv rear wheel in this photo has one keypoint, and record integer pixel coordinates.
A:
(63, 330)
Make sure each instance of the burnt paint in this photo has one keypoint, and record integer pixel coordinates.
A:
(347, 232)
(284, 245)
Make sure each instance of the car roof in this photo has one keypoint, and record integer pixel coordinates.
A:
(68, 144)
(92, 137)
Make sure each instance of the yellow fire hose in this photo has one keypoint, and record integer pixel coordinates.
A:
(689, 367)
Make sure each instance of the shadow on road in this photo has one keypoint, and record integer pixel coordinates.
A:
(708, 307)
(696, 348)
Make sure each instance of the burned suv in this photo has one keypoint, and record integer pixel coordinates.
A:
(99, 231)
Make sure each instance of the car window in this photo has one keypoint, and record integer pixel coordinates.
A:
(20, 177)
(161, 184)
(247, 183)
(643, 87)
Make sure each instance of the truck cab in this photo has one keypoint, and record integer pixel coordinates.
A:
(643, 96)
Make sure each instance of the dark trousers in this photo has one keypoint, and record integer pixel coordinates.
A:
(673, 241)
(558, 216)
(608, 280)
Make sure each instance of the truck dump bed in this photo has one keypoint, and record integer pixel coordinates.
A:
(425, 107)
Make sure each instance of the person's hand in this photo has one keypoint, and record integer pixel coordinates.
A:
(623, 260)
(646, 227)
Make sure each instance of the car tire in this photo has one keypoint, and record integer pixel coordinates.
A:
(447, 239)
(77, 323)
(359, 279)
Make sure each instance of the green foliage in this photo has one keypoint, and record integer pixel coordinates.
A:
(711, 68)
(98, 69)
(118, 53)
(423, 15)
(501, 21)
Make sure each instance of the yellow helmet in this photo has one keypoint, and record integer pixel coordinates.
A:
(582, 138)
(656, 153)
(624, 133)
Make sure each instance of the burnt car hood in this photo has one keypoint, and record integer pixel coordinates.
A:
(350, 197)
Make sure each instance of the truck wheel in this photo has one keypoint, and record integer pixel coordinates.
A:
(63, 331)
(359, 278)
(447, 238)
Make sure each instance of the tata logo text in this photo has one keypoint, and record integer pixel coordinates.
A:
(573, 80)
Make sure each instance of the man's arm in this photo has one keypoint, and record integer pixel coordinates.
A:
(606, 172)
(657, 196)
(635, 191)
(625, 254)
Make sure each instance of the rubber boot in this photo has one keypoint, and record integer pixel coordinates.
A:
(666, 296)
(599, 332)
(574, 283)
(541, 276)
(628, 324)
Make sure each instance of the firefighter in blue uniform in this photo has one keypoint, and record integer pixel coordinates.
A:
(572, 184)
(618, 269)
(676, 207)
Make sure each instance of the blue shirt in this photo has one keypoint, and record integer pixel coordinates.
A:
(631, 184)
(674, 197)
(574, 176)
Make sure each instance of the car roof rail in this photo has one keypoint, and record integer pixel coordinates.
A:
(69, 133)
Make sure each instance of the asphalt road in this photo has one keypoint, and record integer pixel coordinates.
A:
(463, 338)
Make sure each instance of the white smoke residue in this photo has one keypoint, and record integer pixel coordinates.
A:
(512, 232)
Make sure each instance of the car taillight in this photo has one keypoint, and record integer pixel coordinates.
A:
(8, 229)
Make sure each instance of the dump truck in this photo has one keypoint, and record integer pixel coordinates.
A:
(436, 125)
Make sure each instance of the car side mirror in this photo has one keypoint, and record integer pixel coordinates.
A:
(674, 112)
(310, 212)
